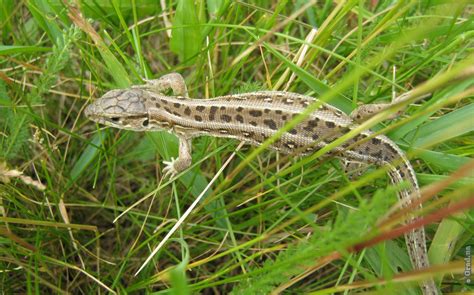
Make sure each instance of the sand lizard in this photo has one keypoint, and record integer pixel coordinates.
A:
(254, 117)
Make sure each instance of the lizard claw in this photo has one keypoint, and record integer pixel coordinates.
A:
(170, 170)
(175, 166)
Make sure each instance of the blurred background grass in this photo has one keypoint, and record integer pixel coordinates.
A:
(64, 180)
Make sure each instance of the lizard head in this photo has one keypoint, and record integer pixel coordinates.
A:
(123, 108)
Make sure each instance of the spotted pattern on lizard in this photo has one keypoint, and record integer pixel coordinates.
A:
(254, 117)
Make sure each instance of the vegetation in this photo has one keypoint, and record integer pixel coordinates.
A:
(69, 222)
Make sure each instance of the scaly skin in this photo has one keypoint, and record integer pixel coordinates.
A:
(253, 118)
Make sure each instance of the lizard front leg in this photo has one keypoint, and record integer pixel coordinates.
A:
(184, 159)
(173, 81)
(176, 83)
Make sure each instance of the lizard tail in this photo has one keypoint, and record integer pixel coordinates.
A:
(415, 239)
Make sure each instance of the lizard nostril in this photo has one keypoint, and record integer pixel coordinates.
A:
(115, 119)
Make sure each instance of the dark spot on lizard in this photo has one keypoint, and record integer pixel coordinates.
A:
(222, 108)
(284, 117)
(376, 141)
(266, 111)
(157, 105)
(177, 114)
(278, 112)
(390, 148)
(253, 123)
(187, 111)
(255, 113)
(200, 108)
(270, 123)
(315, 136)
(164, 101)
(359, 137)
(330, 124)
(377, 154)
(168, 110)
(226, 118)
(198, 118)
(293, 131)
(212, 113)
(177, 105)
(345, 130)
(311, 125)
(239, 118)
(239, 109)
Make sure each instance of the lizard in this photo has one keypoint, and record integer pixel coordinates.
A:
(253, 118)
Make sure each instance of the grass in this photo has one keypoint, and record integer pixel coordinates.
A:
(269, 223)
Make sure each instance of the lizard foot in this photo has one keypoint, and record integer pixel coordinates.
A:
(175, 166)
(170, 169)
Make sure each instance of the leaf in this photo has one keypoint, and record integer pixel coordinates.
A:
(448, 233)
(43, 12)
(10, 49)
(214, 6)
(178, 274)
(443, 160)
(186, 37)
(87, 156)
(446, 127)
(438, 98)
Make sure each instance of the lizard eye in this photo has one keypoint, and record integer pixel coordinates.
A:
(145, 123)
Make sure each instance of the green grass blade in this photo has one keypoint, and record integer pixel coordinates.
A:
(186, 37)
(86, 157)
(12, 49)
(446, 127)
(338, 100)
